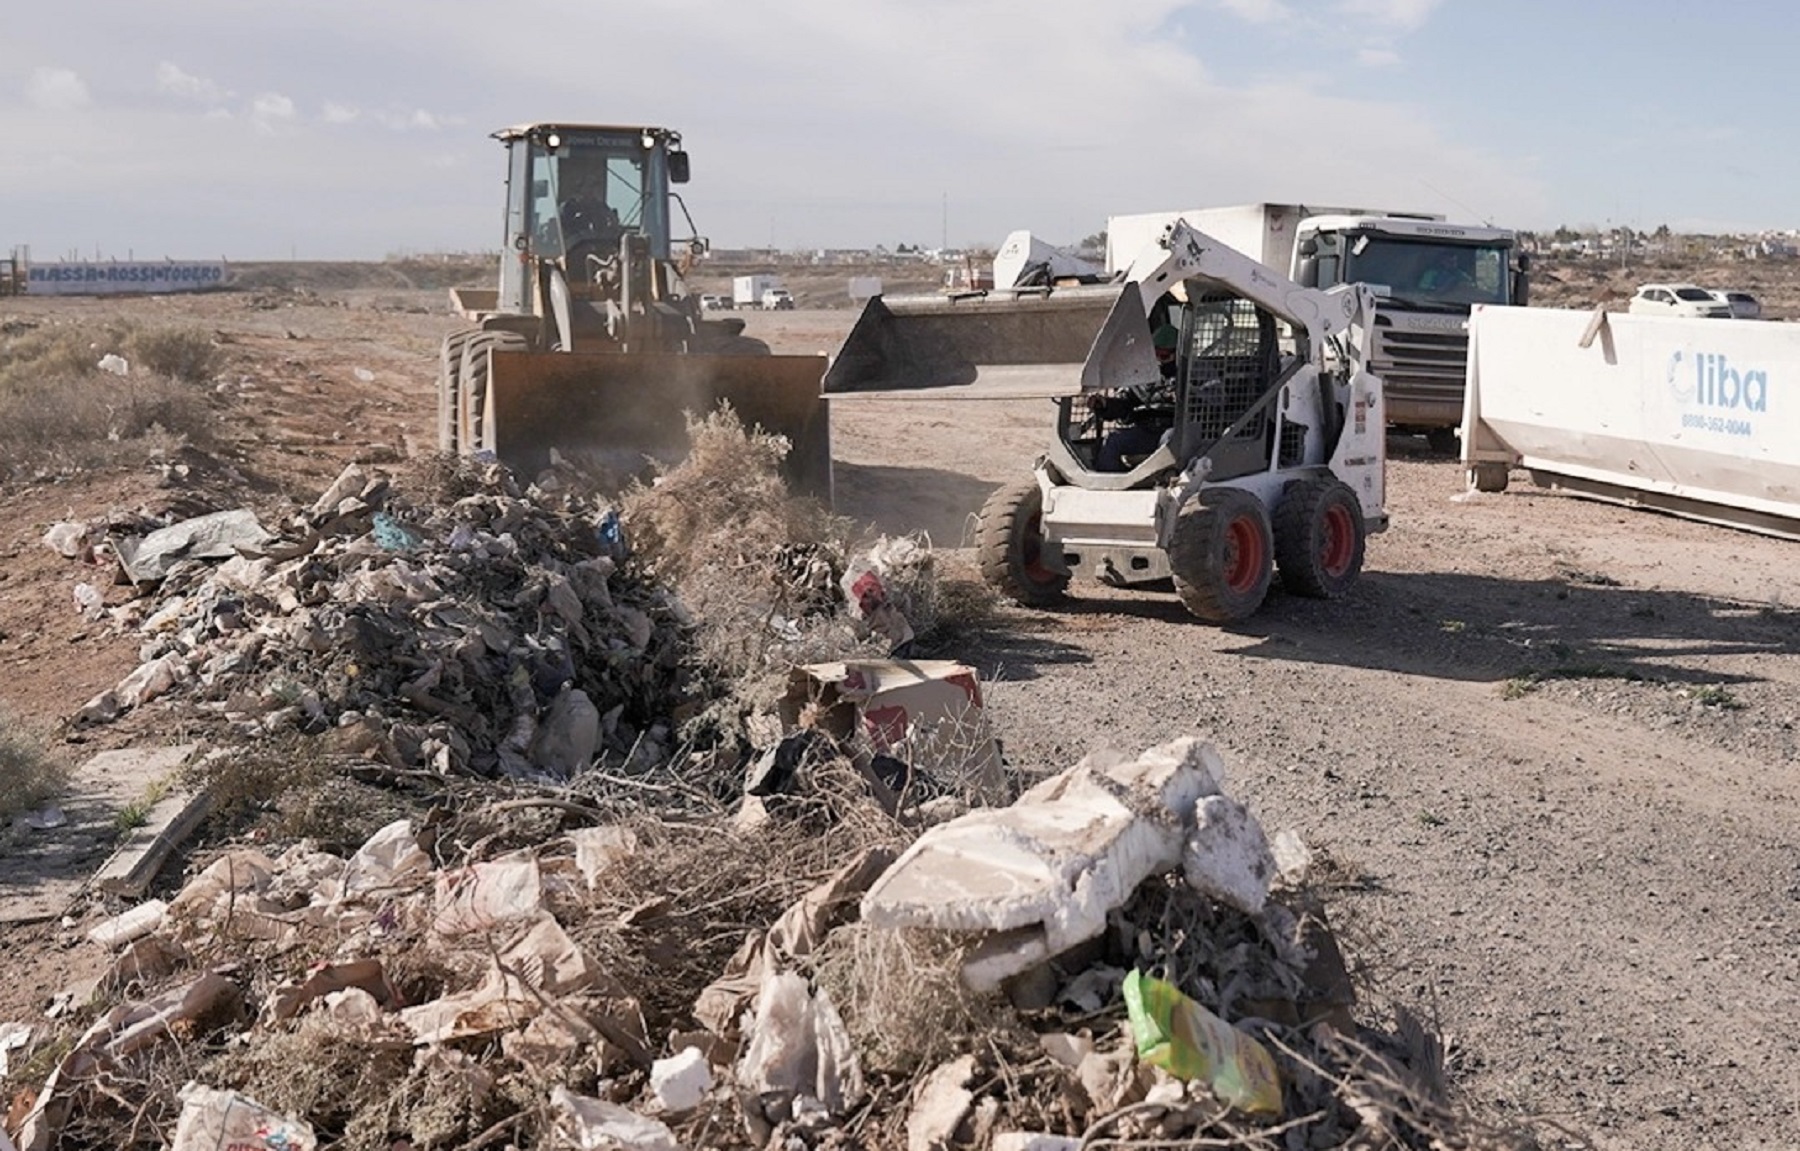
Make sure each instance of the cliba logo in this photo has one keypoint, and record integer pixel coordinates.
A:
(1709, 380)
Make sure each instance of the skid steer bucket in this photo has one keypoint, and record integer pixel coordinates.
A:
(974, 347)
(620, 410)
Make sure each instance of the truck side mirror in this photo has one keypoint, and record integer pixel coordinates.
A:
(1309, 246)
(1307, 274)
(678, 167)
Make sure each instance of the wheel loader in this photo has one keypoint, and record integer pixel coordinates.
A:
(1270, 448)
(591, 348)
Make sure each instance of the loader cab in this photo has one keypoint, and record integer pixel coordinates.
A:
(575, 192)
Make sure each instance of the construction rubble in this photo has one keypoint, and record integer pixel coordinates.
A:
(622, 918)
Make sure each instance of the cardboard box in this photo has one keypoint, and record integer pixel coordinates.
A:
(927, 713)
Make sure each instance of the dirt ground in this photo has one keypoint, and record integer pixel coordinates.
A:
(1549, 744)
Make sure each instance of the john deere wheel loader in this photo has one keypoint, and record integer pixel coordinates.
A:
(1272, 450)
(592, 347)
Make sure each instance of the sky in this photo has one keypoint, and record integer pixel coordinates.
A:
(359, 129)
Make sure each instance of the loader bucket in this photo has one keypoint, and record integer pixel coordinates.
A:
(622, 410)
(973, 347)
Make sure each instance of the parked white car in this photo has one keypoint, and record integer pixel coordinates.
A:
(1743, 305)
(1677, 300)
(715, 304)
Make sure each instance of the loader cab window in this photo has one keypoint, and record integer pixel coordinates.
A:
(586, 195)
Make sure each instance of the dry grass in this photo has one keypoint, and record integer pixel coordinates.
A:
(902, 997)
(29, 773)
(60, 413)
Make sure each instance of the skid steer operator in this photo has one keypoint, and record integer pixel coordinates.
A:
(1145, 414)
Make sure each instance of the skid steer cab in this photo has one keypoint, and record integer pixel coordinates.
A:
(1254, 444)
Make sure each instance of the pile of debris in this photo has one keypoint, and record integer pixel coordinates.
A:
(1121, 954)
(499, 632)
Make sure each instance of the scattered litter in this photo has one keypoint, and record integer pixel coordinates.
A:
(681, 1081)
(219, 536)
(1190, 1042)
(798, 1058)
(46, 818)
(70, 540)
(940, 1105)
(364, 374)
(115, 364)
(13, 1037)
(131, 925)
(926, 713)
(596, 1125)
(211, 1120)
(89, 603)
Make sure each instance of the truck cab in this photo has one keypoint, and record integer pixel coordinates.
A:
(1426, 275)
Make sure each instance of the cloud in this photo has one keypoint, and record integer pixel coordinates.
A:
(1257, 11)
(1405, 15)
(269, 110)
(417, 120)
(57, 90)
(336, 113)
(172, 79)
(1377, 56)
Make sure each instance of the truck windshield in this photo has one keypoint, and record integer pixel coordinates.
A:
(586, 194)
(1429, 274)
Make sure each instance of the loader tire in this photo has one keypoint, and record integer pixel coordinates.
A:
(1488, 477)
(475, 426)
(1320, 537)
(1010, 547)
(1220, 555)
(450, 358)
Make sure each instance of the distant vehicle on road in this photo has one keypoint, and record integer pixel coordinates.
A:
(711, 303)
(777, 300)
(1743, 305)
(1689, 300)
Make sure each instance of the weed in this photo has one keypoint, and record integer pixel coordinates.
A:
(183, 354)
(1453, 626)
(29, 774)
(1519, 686)
(1431, 819)
(1719, 696)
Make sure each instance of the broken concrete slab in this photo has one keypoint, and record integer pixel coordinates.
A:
(43, 874)
(1039, 877)
(143, 851)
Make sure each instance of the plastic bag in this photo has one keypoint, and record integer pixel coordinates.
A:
(1188, 1041)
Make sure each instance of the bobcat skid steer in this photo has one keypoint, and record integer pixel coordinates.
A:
(1273, 457)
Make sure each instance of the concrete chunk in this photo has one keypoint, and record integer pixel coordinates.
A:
(1227, 857)
(1049, 868)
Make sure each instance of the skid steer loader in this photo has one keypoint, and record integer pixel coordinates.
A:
(591, 347)
(1272, 451)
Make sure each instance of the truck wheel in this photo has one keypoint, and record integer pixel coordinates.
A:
(449, 391)
(1010, 547)
(1220, 555)
(1319, 538)
(1488, 477)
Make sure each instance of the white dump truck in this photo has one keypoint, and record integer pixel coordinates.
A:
(1426, 272)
